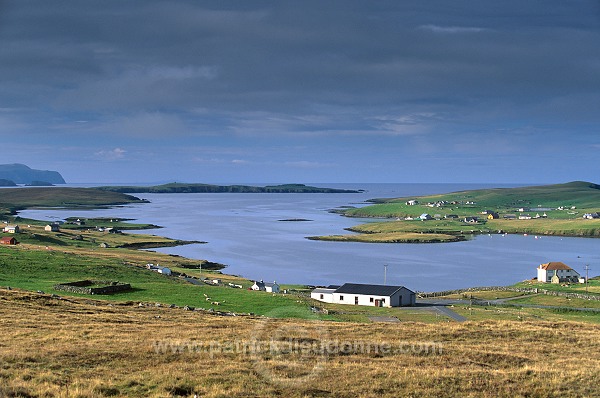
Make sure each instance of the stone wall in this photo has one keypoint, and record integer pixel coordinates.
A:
(93, 287)
(510, 289)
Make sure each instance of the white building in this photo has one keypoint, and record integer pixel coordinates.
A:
(159, 269)
(545, 272)
(52, 228)
(265, 287)
(369, 295)
(12, 229)
(322, 294)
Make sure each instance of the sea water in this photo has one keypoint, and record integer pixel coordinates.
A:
(246, 233)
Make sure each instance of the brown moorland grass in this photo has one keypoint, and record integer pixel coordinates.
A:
(85, 348)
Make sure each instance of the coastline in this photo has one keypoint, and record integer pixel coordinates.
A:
(243, 232)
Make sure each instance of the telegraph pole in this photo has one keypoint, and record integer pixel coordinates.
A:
(587, 268)
(385, 274)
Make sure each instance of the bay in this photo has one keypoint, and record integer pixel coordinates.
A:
(245, 232)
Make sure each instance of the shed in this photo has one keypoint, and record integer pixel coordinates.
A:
(52, 228)
(8, 241)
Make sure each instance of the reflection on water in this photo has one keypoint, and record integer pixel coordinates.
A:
(244, 232)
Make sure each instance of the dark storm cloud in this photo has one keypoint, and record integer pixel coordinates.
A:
(436, 73)
(290, 55)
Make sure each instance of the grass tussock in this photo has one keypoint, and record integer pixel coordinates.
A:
(86, 348)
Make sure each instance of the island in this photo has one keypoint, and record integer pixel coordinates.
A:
(571, 209)
(209, 188)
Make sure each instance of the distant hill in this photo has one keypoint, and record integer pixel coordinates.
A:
(22, 174)
(207, 188)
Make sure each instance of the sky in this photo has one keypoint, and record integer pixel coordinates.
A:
(152, 91)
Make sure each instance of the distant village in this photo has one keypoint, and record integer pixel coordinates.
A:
(521, 213)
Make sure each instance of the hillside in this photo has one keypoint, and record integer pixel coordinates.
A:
(544, 210)
(67, 347)
(22, 174)
(580, 194)
(208, 188)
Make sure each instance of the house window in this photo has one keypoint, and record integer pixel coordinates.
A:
(341, 298)
(371, 299)
(321, 297)
(383, 300)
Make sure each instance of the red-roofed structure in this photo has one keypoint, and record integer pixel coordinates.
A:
(564, 273)
(8, 241)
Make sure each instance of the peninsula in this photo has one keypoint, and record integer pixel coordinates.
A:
(15, 199)
(208, 188)
(570, 209)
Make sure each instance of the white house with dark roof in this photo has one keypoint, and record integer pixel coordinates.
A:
(564, 273)
(12, 229)
(52, 228)
(266, 286)
(369, 295)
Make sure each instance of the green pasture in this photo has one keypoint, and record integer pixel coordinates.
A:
(41, 270)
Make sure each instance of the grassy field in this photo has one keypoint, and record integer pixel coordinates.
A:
(33, 268)
(593, 286)
(85, 348)
(558, 208)
(520, 314)
(125, 345)
(485, 295)
(542, 299)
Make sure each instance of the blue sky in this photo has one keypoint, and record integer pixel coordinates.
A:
(310, 91)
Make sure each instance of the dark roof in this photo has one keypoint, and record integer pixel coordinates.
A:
(375, 290)
(333, 287)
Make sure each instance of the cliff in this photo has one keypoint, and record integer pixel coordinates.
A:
(22, 174)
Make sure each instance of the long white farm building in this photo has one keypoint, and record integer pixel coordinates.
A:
(362, 294)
